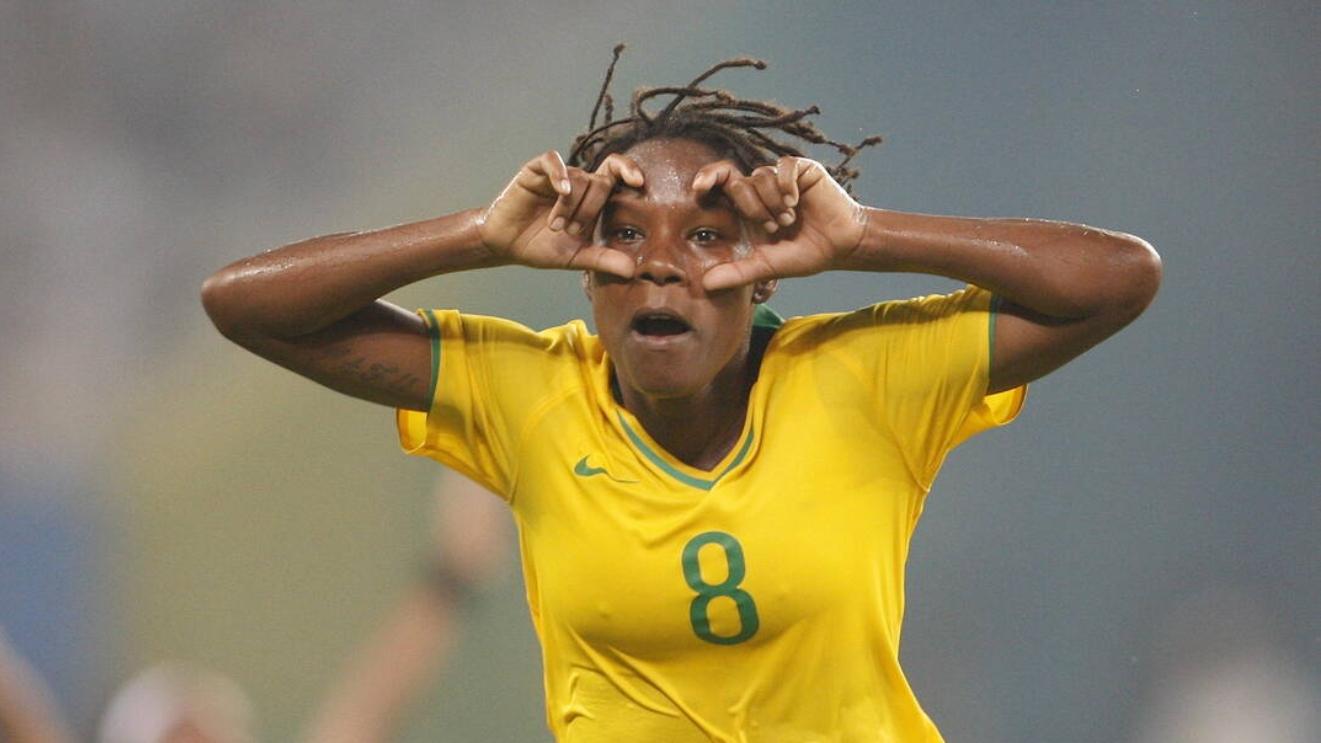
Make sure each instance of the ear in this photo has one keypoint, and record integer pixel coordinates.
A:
(587, 284)
(762, 291)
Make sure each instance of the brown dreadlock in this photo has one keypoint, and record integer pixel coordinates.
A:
(730, 126)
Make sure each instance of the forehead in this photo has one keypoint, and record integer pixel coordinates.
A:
(668, 168)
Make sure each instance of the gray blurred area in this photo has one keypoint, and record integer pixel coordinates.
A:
(1134, 558)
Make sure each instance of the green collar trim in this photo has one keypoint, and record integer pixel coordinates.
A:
(765, 317)
(673, 471)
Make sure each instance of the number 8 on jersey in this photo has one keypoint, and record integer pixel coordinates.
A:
(699, 609)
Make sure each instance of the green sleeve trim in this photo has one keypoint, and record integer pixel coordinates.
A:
(433, 329)
(990, 332)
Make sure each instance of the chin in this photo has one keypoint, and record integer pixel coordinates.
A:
(658, 385)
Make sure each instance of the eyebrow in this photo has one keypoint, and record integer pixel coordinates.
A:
(712, 201)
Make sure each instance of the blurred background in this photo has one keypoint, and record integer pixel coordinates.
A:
(1134, 558)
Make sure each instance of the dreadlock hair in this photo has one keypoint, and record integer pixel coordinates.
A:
(733, 127)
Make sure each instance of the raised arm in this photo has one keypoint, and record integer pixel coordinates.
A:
(369, 700)
(313, 307)
(27, 712)
(1066, 287)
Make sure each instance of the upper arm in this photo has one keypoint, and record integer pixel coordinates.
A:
(1029, 345)
(381, 353)
(1113, 290)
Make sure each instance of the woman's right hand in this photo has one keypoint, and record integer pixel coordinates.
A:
(545, 217)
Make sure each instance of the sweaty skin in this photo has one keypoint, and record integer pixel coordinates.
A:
(675, 326)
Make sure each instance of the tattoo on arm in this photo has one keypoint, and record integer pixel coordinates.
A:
(361, 370)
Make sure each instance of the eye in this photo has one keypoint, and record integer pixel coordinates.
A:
(625, 234)
(705, 235)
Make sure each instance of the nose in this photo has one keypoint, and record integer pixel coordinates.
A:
(662, 261)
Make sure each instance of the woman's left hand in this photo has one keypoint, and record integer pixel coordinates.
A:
(803, 221)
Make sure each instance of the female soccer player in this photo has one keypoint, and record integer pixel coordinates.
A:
(714, 514)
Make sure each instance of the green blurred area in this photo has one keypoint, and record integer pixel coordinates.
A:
(268, 526)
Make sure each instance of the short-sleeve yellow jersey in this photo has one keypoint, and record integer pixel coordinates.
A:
(760, 600)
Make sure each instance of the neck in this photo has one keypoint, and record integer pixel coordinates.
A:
(698, 429)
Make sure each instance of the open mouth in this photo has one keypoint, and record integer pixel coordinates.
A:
(659, 324)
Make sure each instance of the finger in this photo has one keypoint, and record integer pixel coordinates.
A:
(749, 203)
(714, 175)
(568, 203)
(603, 259)
(551, 166)
(786, 172)
(767, 184)
(597, 192)
(621, 168)
(737, 273)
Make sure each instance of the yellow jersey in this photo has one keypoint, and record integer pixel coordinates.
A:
(760, 600)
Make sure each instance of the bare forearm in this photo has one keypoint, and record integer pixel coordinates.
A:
(27, 713)
(307, 286)
(1062, 270)
(387, 673)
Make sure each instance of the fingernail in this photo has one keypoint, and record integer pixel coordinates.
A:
(565, 186)
(575, 228)
(557, 224)
(786, 218)
(770, 225)
(791, 201)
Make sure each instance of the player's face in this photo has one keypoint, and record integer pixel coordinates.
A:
(666, 335)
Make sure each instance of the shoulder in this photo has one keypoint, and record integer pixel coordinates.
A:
(932, 307)
(497, 333)
(887, 318)
(909, 338)
(494, 358)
